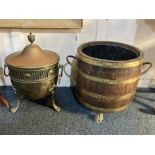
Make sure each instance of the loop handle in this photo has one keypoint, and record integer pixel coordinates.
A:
(70, 63)
(5, 66)
(149, 67)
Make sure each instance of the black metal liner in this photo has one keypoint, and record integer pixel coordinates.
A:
(110, 52)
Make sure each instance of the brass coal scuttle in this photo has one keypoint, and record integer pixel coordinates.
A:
(34, 73)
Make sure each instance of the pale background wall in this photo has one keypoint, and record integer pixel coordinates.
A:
(140, 33)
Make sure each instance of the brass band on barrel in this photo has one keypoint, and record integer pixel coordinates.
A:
(110, 64)
(99, 108)
(101, 97)
(106, 81)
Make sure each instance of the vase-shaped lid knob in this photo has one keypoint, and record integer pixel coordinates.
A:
(31, 38)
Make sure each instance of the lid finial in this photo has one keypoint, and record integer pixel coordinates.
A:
(31, 38)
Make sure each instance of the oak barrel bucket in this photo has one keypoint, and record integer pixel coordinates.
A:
(107, 74)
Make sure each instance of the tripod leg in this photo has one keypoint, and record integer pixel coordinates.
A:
(54, 105)
(18, 100)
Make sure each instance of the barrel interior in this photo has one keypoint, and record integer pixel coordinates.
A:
(110, 52)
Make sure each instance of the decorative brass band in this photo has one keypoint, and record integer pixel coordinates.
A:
(106, 81)
(34, 81)
(101, 109)
(33, 75)
(110, 64)
(94, 95)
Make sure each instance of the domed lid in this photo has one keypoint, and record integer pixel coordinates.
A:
(32, 56)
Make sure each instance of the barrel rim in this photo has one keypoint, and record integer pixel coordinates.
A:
(119, 44)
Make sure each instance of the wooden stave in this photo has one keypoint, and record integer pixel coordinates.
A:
(110, 105)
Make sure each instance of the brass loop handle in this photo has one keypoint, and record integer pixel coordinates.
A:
(5, 66)
(65, 70)
(70, 63)
(149, 66)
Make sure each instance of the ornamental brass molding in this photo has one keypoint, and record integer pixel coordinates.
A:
(34, 75)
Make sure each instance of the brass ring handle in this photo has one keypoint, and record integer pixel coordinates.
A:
(146, 63)
(5, 66)
(61, 68)
(70, 63)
